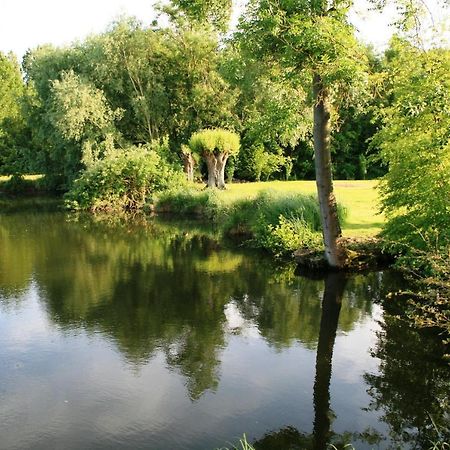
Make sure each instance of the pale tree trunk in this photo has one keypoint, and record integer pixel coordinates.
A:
(331, 228)
(211, 164)
(188, 163)
(221, 163)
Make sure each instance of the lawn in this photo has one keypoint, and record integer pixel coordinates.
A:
(27, 177)
(359, 197)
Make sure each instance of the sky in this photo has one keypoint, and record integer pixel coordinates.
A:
(28, 23)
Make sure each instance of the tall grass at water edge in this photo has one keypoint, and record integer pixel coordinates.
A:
(277, 222)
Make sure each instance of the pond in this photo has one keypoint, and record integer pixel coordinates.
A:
(143, 333)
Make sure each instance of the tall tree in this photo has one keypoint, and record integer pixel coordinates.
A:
(415, 144)
(311, 38)
(12, 125)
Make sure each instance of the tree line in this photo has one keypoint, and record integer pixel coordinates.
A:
(66, 107)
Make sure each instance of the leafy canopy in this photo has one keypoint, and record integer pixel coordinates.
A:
(415, 143)
(217, 141)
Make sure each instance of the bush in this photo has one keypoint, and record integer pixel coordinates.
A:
(124, 180)
(289, 235)
(278, 223)
(191, 202)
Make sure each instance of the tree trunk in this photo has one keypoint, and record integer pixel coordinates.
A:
(211, 164)
(188, 163)
(331, 228)
(221, 163)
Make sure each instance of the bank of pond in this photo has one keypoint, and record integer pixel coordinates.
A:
(149, 332)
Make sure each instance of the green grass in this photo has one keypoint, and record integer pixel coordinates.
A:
(27, 177)
(360, 198)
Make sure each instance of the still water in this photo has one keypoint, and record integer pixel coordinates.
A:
(144, 334)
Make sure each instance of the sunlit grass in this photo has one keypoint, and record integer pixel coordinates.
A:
(360, 198)
(27, 177)
(243, 445)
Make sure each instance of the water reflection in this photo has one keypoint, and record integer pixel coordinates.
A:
(411, 388)
(331, 306)
(289, 437)
(249, 345)
(151, 287)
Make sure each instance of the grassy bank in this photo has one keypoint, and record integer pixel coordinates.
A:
(275, 220)
(359, 197)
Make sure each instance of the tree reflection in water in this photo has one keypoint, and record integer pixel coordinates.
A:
(411, 388)
(289, 437)
(157, 289)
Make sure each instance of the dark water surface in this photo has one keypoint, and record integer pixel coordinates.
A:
(143, 334)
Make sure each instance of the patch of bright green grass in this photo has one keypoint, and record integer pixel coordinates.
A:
(27, 177)
(359, 197)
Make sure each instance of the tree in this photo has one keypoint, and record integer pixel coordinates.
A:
(81, 114)
(415, 144)
(311, 39)
(215, 13)
(12, 123)
(188, 162)
(215, 146)
(130, 84)
(273, 112)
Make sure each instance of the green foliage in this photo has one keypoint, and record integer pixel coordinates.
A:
(130, 85)
(17, 184)
(124, 180)
(415, 144)
(276, 222)
(289, 235)
(13, 130)
(256, 162)
(216, 13)
(81, 114)
(307, 38)
(273, 111)
(428, 273)
(191, 202)
(215, 141)
(11, 87)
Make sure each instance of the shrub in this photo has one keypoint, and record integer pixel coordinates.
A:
(125, 180)
(278, 223)
(268, 206)
(290, 234)
(191, 202)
